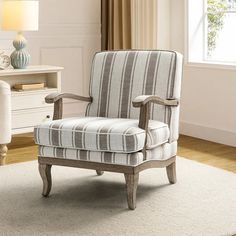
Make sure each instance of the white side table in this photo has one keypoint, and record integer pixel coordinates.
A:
(28, 107)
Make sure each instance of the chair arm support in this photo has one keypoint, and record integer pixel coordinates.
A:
(144, 102)
(53, 97)
(56, 98)
(144, 99)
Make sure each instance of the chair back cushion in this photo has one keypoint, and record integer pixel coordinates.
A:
(118, 77)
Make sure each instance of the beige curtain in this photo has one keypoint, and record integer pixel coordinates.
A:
(144, 24)
(129, 24)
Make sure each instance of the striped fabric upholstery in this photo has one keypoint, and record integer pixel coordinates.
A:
(100, 134)
(120, 76)
(162, 152)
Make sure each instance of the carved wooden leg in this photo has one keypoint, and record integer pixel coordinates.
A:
(100, 172)
(45, 172)
(171, 173)
(131, 185)
(3, 154)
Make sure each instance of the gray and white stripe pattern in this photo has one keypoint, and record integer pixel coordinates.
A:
(162, 152)
(120, 76)
(100, 134)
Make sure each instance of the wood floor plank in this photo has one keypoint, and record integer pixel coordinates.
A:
(209, 153)
(23, 149)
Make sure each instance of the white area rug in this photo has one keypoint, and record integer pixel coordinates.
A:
(202, 203)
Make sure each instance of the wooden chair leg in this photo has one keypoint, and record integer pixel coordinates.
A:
(100, 172)
(3, 154)
(171, 173)
(131, 185)
(45, 172)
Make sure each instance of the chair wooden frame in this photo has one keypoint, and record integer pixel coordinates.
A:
(131, 173)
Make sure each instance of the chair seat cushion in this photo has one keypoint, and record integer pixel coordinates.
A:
(100, 134)
(162, 152)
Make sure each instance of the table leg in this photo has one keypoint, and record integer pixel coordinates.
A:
(3, 153)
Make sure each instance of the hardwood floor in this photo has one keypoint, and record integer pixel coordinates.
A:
(23, 149)
(209, 153)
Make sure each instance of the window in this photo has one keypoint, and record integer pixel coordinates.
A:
(212, 31)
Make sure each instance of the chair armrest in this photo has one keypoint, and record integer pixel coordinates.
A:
(56, 98)
(53, 97)
(144, 99)
(144, 102)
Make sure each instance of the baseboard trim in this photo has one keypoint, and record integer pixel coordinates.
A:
(208, 133)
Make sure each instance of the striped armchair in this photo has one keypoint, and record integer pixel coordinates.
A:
(131, 122)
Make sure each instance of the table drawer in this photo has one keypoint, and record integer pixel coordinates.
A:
(30, 118)
(28, 100)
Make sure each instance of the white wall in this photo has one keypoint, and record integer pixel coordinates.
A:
(69, 35)
(163, 24)
(208, 108)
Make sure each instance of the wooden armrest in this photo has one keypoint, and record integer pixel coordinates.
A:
(144, 102)
(144, 99)
(54, 97)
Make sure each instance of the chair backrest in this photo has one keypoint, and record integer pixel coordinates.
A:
(118, 77)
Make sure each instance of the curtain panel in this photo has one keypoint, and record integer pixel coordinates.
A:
(129, 24)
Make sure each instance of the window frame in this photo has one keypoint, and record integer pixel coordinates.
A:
(200, 60)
